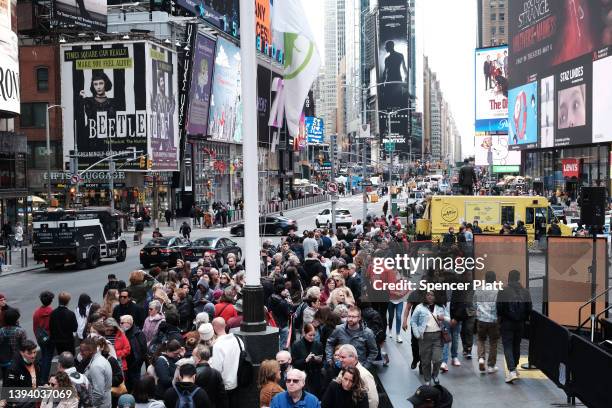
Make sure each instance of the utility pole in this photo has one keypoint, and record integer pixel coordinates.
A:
(155, 201)
(334, 197)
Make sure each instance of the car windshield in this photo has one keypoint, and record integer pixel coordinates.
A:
(204, 242)
(158, 242)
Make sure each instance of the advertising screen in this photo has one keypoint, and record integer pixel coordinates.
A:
(265, 96)
(546, 33)
(492, 89)
(120, 96)
(222, 13)
(80, 14)
(573, 102)
(9, 63)
(522, 115)
(315, 130)
(602, 96)
(493, 150)
(393, 69)
(225, 116)
(547, 112)
(201, 82)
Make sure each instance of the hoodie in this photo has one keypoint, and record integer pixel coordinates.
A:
(41, 318)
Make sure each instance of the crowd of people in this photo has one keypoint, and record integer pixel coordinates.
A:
(163, 338)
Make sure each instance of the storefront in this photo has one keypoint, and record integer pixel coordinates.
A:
(568, 169)
(13, 187)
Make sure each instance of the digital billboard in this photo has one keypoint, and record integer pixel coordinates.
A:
(573, 102)
(120, 96)
(80, 14)
(224, 14)
(393, 71)
(493, 150)
(602, 96)
(225, 115)
(547, 111)
(522, 116)
(201, 82)
(546, 33)
(10, 101)
(315, 130)
(492, 89)
(265, 96)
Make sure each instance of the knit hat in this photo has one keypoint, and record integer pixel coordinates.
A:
(206, 331)
(126, 401)
(217, 294)
(201, 318)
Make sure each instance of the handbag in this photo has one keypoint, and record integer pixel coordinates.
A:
(444, 334)
(119, 390)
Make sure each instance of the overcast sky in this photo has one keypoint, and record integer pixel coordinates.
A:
(447, 34)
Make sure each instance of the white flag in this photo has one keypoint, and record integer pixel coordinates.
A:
(302, 61)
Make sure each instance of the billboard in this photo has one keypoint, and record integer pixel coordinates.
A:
(493, 150)
(492, 89)
(10, 101)
(602, 96)
(201, 82)
(263, 28)
(545, 33)
(573, 88)
(393, 67)
(225, 116)
(80, 14)
(265, 96)
(523, 115)
(120, 96)
(547, 111)
(315, 130)
(224, 14)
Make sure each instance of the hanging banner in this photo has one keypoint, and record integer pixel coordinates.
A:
(201, 82)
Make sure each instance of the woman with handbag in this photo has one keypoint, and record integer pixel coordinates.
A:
(428, 325)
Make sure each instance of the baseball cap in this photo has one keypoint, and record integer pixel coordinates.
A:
(126, 401)
(423, 394)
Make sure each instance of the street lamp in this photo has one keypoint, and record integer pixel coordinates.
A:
(49, 150)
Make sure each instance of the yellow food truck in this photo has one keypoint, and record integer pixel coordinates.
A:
(491, 212)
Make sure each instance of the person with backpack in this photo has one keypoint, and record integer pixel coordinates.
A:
(184, 393)
(513, 310)
(165, 366)
(65, 363)
(40, 325)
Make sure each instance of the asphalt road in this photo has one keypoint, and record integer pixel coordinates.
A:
(22, 289)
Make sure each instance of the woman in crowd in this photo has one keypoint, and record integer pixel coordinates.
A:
(347, 392)
(144, 393)
(330, 285)
(110, 301)
(61, 381)
(82, 313)
(307, 355)
(151, 323)
(269, 376)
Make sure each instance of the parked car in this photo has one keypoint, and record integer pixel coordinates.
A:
(218, 248)
(415, 197)
(165, 249)
(269, 225)
(343, 217)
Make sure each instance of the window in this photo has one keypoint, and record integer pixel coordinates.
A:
(502, 16)
(507, 215)
(493, 17)
(42, 79)
(493, 30)
(502, 29)
(530, 216)
(33, 115)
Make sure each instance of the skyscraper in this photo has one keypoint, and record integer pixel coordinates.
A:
(492, 22)
(334, 51)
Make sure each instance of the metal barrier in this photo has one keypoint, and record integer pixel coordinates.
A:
(16, 258)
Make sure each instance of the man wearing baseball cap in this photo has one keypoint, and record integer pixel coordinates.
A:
(427, 396)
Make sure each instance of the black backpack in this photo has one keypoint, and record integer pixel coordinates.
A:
(185, 400)
(245, 367)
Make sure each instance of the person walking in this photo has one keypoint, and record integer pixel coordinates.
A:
(487, 326)
(427, 322)
(168, 216)
(513, 310)
(185, 230)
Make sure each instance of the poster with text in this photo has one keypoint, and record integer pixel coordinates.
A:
(546, 33)
(492, 150)
(573, 87)
(492, 89)
(522, 115)
(225, 115)
(10, 101)
(201, 82)
(602, 96)
(80, 14)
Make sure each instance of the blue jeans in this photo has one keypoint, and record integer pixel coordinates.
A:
(454, 345)
(397, 309)
(46, 356)
(283, 335)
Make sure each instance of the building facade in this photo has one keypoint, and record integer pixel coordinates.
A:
(492, 22)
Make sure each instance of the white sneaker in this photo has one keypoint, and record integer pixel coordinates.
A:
(481, 365)
(444, 367)
(511, 377)
(517, 373)
(492, 370)
(399, 339)
(456, 362)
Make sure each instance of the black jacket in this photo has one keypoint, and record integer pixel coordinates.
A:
(200, 398)
(185, 311)
(115, 284)
(281, 310)
(18, 376)
(164, 370)
(514, 303)
(467, 175)
(131, 309)
(335, 396)
(354, 284)
(299, 352)
(210, 380)
(62, 324)
(138, 347)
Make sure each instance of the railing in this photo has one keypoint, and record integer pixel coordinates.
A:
(591, 318)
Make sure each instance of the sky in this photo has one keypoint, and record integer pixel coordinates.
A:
(447, 32)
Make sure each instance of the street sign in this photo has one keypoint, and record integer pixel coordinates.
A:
(389, 146)
(332, 187)
(75, 179)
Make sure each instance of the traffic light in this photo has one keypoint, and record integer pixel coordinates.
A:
(149, 164)
(209, 184)
(143, 162)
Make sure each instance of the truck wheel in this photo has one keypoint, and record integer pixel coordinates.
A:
(122, 253)
(93, 259)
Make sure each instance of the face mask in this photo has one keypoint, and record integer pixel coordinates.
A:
(338, 364)
(284, 367)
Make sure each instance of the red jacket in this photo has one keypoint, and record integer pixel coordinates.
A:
(122, 348)
(225, 310)
(41, 318)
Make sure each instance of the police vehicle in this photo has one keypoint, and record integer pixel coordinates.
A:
(83, 236)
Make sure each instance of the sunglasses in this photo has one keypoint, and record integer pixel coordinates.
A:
(292, 380)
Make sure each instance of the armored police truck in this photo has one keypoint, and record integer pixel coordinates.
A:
(83, 236)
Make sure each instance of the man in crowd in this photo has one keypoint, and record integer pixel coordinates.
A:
(355, 333)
